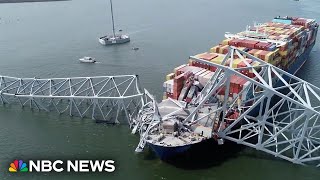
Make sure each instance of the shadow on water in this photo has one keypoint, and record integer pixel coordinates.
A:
(111, 123)
(202, 156)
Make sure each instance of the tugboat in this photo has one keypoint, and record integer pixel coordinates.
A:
(114, 38)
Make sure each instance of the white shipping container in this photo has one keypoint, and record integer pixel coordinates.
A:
(202, 79)
(192, 69)
(199, 73)
(206, 78)
(168, 86)
(179, 67)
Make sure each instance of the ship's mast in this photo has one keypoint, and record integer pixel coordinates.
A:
(114, 34)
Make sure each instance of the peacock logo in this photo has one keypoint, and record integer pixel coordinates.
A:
(18, 166)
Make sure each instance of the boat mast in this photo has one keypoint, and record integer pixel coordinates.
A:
(114, 34)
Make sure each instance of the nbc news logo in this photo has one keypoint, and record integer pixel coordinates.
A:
(18, 166)
(60, 166)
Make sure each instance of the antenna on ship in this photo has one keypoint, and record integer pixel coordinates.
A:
(114, 34)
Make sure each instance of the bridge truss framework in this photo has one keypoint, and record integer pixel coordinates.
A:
(103, 98)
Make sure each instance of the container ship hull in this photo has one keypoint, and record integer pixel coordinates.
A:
(287, 46)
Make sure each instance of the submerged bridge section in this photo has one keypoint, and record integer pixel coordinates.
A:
(104, 98)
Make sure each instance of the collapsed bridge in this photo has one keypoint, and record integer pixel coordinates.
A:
(101, 97)
(278, 113)
(281, 117)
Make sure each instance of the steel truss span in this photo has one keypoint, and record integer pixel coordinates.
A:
(280, 114)
(104, 98)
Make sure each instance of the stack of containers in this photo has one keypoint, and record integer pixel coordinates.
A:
(188, 69)
(206, 57)
(249, 43)
(221, 49)
(218, 59)
(175, 70)
(296, 37)
(262, 46)
(178, 83)
(168, 89)
(172, 83)
(170, 76)
(236, 86)
(235, 42)
(168, 86)
(204, 77)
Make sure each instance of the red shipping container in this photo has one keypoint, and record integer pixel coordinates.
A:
(263, 54)
(243, 64)
(253, 51)
(243, 43)
(284, 47)
(212, 68)
(178, 78)
(245, 72)
(225, 51)
(187, 75)
(233, 83)
(231, 88)
(177, 88)
(208, 56)
(262, 45)
(235, 42)
(249, 43)
(221, 90)
(251, 75)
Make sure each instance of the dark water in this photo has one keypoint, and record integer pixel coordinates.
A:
(46, 39)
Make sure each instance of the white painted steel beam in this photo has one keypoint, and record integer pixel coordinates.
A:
(100, 97)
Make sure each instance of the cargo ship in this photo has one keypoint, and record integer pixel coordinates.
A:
(284, 42)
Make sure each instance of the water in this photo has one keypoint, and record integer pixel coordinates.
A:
(46, 40)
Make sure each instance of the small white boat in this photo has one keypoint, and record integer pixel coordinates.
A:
(87, 59)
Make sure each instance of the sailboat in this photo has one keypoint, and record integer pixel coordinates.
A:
(114, 38)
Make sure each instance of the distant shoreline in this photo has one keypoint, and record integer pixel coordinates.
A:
(26, 1)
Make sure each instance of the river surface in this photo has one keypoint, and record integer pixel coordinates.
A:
(46, 39)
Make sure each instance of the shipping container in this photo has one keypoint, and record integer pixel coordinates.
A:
(170, 76)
